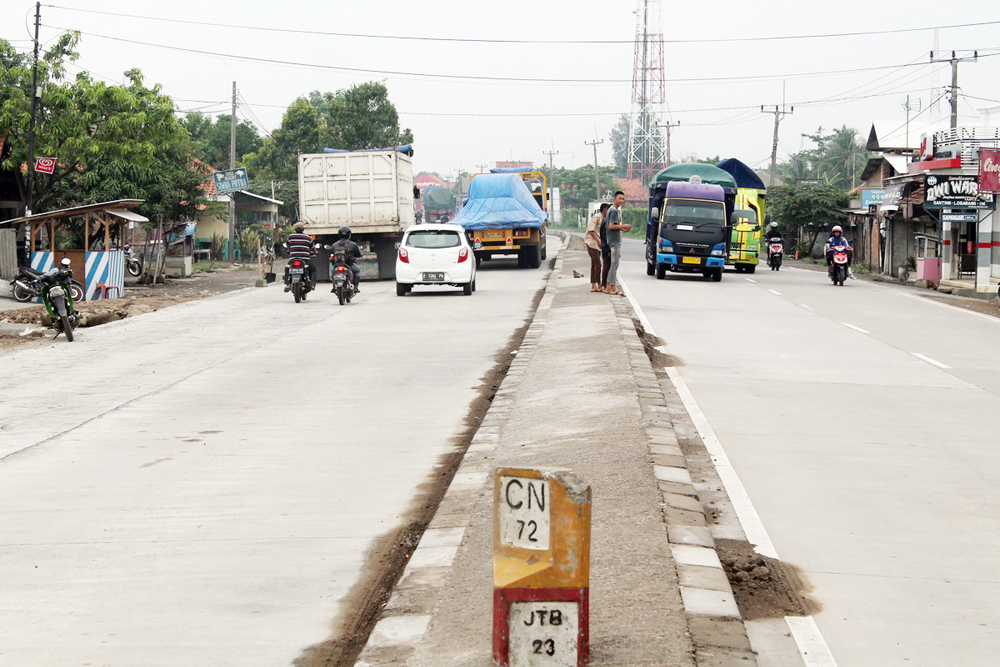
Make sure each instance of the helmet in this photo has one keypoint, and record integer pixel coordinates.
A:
(299, 227)
(774, 225)
(64, 262)
(838, 228)
(345, 232)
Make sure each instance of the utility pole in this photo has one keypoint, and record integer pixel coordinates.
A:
(550, 154)
(954, 80)
(669, 126)
(597, 173)
(29, 202)
(232, 165)
(779, 113)
(909, 108)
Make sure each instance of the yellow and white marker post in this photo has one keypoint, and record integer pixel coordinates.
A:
(541, 568)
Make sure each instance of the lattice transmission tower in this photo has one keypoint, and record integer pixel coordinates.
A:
(645, 142)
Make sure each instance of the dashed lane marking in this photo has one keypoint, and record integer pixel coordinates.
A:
(750, 280)
(932, 362)
(851, 326)
(774, 292)
(807, 308)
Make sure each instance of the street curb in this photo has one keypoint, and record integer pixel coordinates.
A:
(714, 621)
(406, 616)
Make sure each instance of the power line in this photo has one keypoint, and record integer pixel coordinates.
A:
(467, 40)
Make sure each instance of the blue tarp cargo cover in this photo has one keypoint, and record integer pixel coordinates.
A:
(499, 200)
(741, 173)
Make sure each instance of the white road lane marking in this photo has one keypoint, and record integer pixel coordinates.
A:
(750, 280)
(774, 292)
(749, 519)
(807, 308)
(815, 652)
(932, 362)
(923, 299)
(808, 639)
(851, 326)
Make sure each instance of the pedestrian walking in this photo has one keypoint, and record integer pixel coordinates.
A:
(614, 234)
(592, 238)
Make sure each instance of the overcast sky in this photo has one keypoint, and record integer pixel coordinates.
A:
(714, 89)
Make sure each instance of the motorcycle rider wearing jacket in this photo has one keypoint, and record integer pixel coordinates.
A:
(351, 252)
(837, 238)
(773, 232)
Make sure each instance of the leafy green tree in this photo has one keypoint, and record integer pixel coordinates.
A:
(837, 159)
(109, 141)
(816, 208)
(619, 145)
(576, 186)
(211, 138)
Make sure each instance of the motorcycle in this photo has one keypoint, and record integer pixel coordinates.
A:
(840, 261)
(58, 298)
(775, 253)
(298, 276)
(133, 263)
(27, 285)
(340, 274)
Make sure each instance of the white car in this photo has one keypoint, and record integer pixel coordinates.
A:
(436, 254)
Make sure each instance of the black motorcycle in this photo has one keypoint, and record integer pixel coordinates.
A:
(58, 298)
(299, 281)
(27, 285)
(340, 275)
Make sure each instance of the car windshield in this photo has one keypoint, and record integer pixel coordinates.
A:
(434, 238)
(692, 212)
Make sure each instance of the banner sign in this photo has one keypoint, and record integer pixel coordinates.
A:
(989, 170)
(960, 192)
(46, 165)
(871, 197)
(892, 196)
(231, 180)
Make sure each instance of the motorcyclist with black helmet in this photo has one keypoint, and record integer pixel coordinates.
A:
(351, 253)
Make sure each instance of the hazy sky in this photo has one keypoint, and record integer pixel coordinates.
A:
(714, 89)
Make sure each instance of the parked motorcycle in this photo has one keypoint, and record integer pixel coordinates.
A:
(775, 253)
(58, 298)
(340, 274)
(298, 275)
(27, 285)
(133, 262)
(840, 261)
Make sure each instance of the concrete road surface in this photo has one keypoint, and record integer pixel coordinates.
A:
(862, 421)
(200, 485)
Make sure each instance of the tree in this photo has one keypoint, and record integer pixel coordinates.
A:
(619, 144)
(818, 207)
(211, 138)
(576, 186)
(109, 142)
(837, 159)
(648, 150)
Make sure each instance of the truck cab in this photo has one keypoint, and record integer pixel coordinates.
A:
(688, 230)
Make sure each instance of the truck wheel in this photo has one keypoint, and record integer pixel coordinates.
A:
(751, 268)
(661, 271)
(534, 257)
(544, 251)
(717, 275)
(522, 258)
(650, 268)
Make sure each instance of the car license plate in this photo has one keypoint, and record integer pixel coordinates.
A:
(296, 270)
(692, 260)
(434, 277)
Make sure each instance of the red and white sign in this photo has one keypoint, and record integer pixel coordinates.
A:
(46, 165)
(989, 170)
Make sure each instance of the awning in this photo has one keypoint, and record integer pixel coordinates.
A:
(127, 215)
(893, 195)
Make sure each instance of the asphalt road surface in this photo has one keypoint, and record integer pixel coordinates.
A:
(862, 421)
(200, 485)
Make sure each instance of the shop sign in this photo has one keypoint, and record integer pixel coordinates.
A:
(893, 195)
(960, 192)
(989, 170)
(872, 197)
(960, 217)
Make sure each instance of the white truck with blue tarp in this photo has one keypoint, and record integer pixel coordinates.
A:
(506, 214)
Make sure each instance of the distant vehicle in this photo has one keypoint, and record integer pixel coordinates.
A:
(506, 214)
(439, 204)
(435, 254)
(688, 230)
(775, 253)
(841, 259)
(298, 274)
(369, 191)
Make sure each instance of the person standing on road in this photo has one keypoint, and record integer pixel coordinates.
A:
(605, 249)
(592, 238)
(615, 229)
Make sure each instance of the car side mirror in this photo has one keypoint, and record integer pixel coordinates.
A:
(654, 213)
(767, 218)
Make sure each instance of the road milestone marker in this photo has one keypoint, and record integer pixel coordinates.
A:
(541, 568)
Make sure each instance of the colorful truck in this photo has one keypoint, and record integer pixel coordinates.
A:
(747, 242)
(506, 214)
